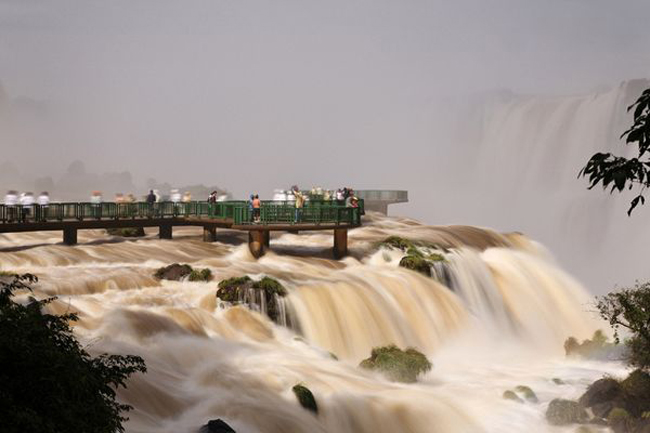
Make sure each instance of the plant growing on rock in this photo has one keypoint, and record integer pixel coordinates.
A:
(204, 274)
(247, 291)
(398, 365)
(48, 382)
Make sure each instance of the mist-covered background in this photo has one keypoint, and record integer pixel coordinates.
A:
(484, 110)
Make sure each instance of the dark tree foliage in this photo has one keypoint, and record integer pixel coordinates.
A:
(630, 309)
(619, 173)
(48, 382)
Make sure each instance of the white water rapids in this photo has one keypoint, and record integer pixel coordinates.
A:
(500, 323)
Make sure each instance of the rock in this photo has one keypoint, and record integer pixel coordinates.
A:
(398, 365)
(601, 396)
(563, 412)
(216, 426)
(305, 398)
(127, 232)
(528, 393)
(416, 263)
(620, 421)
(636, 388)
(264, 295)
(174, 272)
(558, 381)
(510, 395)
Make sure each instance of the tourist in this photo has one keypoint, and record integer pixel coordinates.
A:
(27, 203)
(187, 197)
(250, 207)
(151, 197)
(96, 204)
(175, 196)
(44, 203)
(339, 195)
(300, 201)
(257, 204)
(11, 200)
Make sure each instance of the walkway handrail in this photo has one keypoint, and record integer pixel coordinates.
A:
(237, 211)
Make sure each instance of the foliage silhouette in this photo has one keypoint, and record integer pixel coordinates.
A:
(48, 382)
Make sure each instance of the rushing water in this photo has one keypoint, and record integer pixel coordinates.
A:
(495, 317)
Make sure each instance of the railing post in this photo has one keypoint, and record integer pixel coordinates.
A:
(209, 234)
(340, 243)
(165, 231)
(70, 236)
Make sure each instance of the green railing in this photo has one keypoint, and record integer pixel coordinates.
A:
(239, 212)
(274, 212)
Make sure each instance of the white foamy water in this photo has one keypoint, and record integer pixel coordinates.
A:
(499, 320)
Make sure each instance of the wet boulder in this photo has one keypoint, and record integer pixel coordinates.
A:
(204, 274)
(563, 412)
(527, 393)
(174, 272)
(396, 364)
(602, 396)
(305, 397)
(511, 395)
(216, 426)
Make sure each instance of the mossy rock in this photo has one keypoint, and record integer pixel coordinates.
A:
(237, 290)
(397, 243)
(529, 394)
(417, 264)
(396, 364)
(127, 232)
(436, 257)
(174, 272)
(510, 395)
(563, 412)
(305, 397)
(270, 286)
(204, 274)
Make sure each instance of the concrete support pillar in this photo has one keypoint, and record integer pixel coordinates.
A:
(256, 243)
(70, 236)
(267, 238)
(165, 231)
(340, 243)
(209, 234)
(293, 232)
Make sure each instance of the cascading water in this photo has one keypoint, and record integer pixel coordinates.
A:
(497, 319)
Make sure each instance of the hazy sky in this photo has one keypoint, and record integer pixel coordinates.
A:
(255, 95)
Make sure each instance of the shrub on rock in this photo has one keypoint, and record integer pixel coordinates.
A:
(416, 263)
(397, 242)
(597, 348)
(244, 290)
(398, 365)
(563, 412)
(204, 274)
(305, 397)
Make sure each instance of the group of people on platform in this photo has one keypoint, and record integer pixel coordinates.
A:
(342, 196)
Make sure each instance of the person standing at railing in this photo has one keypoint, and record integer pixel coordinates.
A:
(300, 202)
(96, 203)
(11, 200)
(151, 201)
(257, 204)
(44, 202)
(27, 203)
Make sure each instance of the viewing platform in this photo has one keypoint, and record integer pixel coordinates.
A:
(235, 215)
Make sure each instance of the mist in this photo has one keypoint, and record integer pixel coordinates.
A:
(252, 96)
